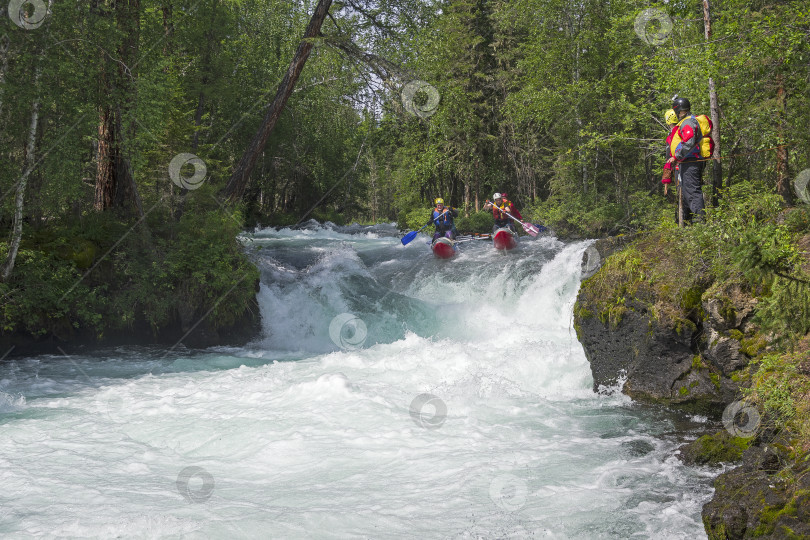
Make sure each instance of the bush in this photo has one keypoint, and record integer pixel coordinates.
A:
(577, 215)
(477, 222)
(101, 274)
(413, 219)
(797, 220)
(46, 294)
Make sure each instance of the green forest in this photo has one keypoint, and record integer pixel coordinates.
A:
(139, 137)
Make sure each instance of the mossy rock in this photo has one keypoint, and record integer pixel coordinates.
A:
(691, 298)
(769, 517)
(727, 309)
(685, 325)
(581, 312)
(714, 449)
(740, 375)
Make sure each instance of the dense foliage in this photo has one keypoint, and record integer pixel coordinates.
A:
(559, 104)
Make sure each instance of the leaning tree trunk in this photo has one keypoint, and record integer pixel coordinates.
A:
(717, 168)
(30, 159)
(238, 182)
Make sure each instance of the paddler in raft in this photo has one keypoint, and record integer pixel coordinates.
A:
(442, 217)
(499, 209)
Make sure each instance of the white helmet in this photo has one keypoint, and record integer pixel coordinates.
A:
(497, 196)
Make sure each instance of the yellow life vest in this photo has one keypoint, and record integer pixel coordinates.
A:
(705, 145)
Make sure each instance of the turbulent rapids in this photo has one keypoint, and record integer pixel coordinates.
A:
(391, 395)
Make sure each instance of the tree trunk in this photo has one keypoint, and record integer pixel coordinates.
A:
(30, 155)
(477, 186)
(106, 180)
(238, 182)
(210, 40)
(168, 29)
(783, 186)
(115, 185)
(717, 168)
(5, 43)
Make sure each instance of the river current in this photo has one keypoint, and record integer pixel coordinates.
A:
(390, 395)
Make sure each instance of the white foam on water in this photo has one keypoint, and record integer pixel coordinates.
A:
(468, 413)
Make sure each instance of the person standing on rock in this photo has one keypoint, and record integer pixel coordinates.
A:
(687, 147)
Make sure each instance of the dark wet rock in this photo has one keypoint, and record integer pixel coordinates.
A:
(768, 496)
(729, 310)
(657, 363)
(693, 356)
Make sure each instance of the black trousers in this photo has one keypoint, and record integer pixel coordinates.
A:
(691, 181)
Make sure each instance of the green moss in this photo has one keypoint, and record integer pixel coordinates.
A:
(753, 345)
(727, 310)
(691, 298)
(683, 391)
(613, 316)
(581, 312)
(715, 378)
(714, 534)
(718, 448)
(616, 315)
(738, 375)
(684, 325)
(770, 515)
(735, 334)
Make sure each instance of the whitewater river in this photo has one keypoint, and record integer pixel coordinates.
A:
(390, 395)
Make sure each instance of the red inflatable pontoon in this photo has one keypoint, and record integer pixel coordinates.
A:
(504, 239)
(443, 248)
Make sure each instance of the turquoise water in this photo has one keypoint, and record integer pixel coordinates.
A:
(390, 395)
